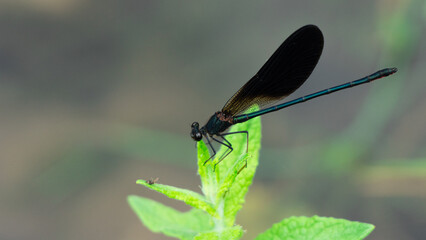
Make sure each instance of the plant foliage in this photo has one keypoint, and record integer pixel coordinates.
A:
(224, 187)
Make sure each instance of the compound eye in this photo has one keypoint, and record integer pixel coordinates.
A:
(195, 124)
(198, 136)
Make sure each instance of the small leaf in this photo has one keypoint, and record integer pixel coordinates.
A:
(231, 233)
(189, 197)
(160, 218)
(318, 228)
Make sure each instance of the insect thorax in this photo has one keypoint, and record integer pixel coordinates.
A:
(218, 123)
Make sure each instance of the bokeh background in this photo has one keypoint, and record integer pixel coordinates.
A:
(95, 94)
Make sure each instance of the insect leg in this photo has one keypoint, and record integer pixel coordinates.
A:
(211, 146)
(247, 139)
(230, 133)
(227, 153)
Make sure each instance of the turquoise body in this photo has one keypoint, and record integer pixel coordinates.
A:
(379, 74)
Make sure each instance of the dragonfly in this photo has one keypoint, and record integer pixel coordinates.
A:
(284, 72)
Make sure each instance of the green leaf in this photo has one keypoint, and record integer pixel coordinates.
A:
(234, 197)
(189, 197)
(318, 228)
(232, 174)
(226, 184)
(231, 233)
(160, 218)
(207, 175)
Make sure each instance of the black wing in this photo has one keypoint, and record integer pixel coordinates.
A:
(284, 72)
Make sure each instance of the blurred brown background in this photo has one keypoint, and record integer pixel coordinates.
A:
(96, 94)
